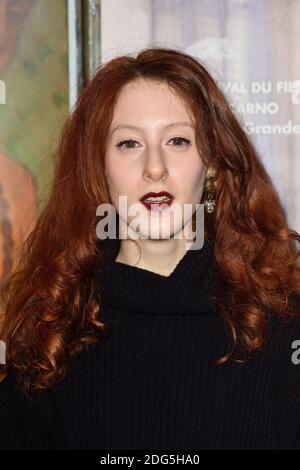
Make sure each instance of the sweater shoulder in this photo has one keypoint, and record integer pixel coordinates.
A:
(9, 387)
(284, 354)
(20, 418)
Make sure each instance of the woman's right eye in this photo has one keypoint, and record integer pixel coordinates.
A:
(130, 141)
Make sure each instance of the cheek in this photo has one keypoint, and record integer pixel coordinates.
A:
(119, 177)
(113, 171)
(192, 180)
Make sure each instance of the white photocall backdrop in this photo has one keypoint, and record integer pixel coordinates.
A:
(250, 47)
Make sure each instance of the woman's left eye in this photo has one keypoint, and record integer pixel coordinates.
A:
(180, 139)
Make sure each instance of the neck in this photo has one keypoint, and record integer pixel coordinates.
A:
(185, 290)
(160, 256)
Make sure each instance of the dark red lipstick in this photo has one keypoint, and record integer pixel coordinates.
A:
(155, 200)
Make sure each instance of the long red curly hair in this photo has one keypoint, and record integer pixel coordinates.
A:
(51, 304)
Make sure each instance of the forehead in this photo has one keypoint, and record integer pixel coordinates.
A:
(146, 86)
(142, 99)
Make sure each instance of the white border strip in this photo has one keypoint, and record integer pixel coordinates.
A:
(73, 74)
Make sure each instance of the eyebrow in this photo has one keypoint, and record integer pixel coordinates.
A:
(168, 126)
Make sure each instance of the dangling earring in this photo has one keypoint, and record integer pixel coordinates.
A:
(210, 190)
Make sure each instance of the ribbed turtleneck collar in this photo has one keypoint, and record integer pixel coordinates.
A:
(186, 291)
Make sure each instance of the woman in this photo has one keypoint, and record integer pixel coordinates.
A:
(145, 342)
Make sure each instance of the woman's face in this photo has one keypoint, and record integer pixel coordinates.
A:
(151, 148)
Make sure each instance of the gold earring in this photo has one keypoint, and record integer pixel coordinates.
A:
(210, 190)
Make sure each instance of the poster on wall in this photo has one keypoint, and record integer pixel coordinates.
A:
(34, 101)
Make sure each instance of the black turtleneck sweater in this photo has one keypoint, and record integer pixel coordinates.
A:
(151, 384)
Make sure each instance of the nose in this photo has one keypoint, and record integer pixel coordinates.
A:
(154, 167)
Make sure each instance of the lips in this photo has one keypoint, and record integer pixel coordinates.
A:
(156, 200)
